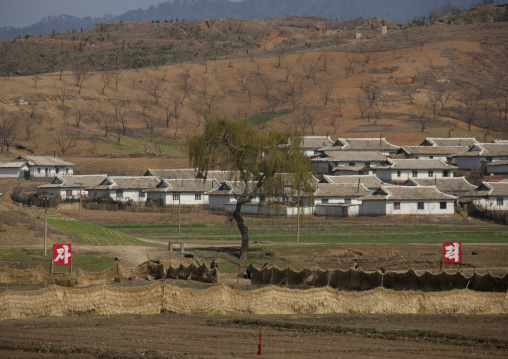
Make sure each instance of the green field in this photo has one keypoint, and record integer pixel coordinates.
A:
(318, 231)
(92, 234)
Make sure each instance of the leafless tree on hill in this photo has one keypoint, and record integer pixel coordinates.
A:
(121, 110)
(107, 121)
(267, 85)
(28, 123)
(65, 137)
(242, 77)
(171, 107)
(185, 86)
(79, 115)
(487, 120)
(325, 59)
(372, 91)
(33, 107)
(422, 113)
(9, 126)
(451, 127)
(156, 88)
(80, 72)
(362, 105)
(409, 91)
(61, 92)
(208, 96)
(280, 56)
(442, 95)
(326, 92)
(469, 99)
(106, 78)
(350, 64)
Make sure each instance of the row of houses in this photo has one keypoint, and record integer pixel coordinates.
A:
(363, 177)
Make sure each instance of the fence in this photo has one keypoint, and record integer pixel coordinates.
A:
(80, 278)
(359, 280)
(158, 298)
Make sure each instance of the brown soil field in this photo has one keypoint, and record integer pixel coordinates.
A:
(331, 336)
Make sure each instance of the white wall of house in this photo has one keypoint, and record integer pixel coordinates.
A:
(406, 207)
(331, 200)
(493, 203)
(134, 195)
(65, 193)
(357, 163)
(347, 171)
(16, 172)
(255, 208)
(403, 175)
(336, 211)
(443, 158)
(42, 171)
(183, 198)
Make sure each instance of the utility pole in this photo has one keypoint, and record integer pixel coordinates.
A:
(179, 203)
(45, 224)
(79, 213)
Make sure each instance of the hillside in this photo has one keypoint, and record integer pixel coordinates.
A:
(400, 11)
(132, 93)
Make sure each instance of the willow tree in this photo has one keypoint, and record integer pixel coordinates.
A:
(266, 164)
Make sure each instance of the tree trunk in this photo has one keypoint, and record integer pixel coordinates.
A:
(244, 231)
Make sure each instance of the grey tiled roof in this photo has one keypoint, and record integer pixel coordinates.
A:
(432, 150)
(437, 141)
(12, 164)
(185, 185)
(355, 156)
(497, 189)
(445, 184)
(365, 144)
(418, 164)
(486, 149)
(341, 190)
(407, 193)
(182, 173)
(126, 182)
(44, 161)
(369, 181)
(230, 187)
(498, 163)
(84, 181)
(316, 142)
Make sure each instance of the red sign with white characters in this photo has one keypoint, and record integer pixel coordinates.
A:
(452, 252)
(62, 254)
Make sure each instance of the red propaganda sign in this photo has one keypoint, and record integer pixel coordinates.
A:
(62, 254)
(452, 252)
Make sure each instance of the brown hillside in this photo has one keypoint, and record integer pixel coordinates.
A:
(411, 83)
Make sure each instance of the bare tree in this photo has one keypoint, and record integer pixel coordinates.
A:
(362, 106)
(121, 108)
(156, 88)
(325, 59)
(80, 73)
(267, 85)
(28, 123)
(65, 137)
(470, 101)
(422, 113)
(280, 56)
(242, 77)
(185, 86)
(442, 95)
(79, 115)
(106, 78)
(409, 91)
(372, 91)
(350, 66)
(8, 130)
(451, 127)
(326, 91)
(61, 92)
(209, 97)
(171, 108)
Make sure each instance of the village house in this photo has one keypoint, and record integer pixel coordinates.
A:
(124, 188)
(369, 181)
(182, 173)
(338, 200)
(497, 167)
(480, 154)
(311, 144)
(71, 187)
(355, 161)
(192, 191)
(227, 193)
(363, 144)
(13, 169)
(402, 200)
(456, 186)
(443, 153)
(446, 142)
(397, 170)
(36, 167)
(491, 195)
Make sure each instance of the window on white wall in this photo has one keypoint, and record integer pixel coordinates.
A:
(197, 196)
(176, 196)
(324, 200)
(442, 205)
(68, 193)
(415, 173)
(421, 205)
(347, 200)
(431, 173)
(396, 205)
(499, 201)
